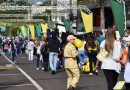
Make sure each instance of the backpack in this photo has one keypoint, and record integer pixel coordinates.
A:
(43, 49)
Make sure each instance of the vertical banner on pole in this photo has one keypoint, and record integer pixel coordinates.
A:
(44, 26)
(38, 29)
(31, 27)
(27, 31)
(67, 25)
(23, 31)
(118, 9)
(88, 21)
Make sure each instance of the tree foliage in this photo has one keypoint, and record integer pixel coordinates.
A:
(84, 2)
(13, 30)
(1, 1)
(22, 2)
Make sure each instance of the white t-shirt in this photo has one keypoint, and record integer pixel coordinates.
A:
(108, 62)
(38, 49)
(126, 38)
(31, 45)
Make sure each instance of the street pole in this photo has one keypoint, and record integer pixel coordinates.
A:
(102, 23)
(73, 4)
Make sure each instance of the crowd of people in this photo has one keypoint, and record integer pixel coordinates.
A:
(57, 52)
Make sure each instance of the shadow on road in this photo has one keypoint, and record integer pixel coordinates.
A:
(81, 88)
(9, 84)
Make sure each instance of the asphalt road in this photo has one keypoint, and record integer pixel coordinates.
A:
(25, 76)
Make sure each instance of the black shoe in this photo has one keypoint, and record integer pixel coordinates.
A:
(45, 69)
(53, 72)
(70, 88)
(96, 73)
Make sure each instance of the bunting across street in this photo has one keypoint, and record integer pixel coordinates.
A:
(64, 44)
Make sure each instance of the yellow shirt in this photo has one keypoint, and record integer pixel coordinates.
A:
(70, 53)
(95, 49)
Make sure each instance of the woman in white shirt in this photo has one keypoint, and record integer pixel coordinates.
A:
(110, 67)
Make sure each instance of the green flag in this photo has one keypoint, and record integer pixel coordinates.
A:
(27, 31)
(82, 27)
(38, 29)
(118, 9)
(67, 25)
(21, 30)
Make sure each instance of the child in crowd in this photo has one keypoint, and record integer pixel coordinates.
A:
(38, 55)
(126, 37)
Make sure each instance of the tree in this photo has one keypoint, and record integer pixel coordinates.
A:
(14, 31)
(22, 2)
(47, 3)
(84, 2)
(1, 1)
(10, 0)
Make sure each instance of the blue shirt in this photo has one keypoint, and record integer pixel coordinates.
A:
(100, 39)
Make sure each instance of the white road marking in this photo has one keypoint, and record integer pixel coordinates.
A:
(17, 85)
(28, 77)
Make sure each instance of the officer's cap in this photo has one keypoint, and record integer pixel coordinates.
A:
(71, 37)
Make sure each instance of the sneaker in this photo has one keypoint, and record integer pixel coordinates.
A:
(14, 61)
(37, 68)
(42, 68)
(90, 73)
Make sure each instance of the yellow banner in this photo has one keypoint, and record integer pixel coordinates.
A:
(88, 21)
(31, 27)
(44, 26)
(23, 31)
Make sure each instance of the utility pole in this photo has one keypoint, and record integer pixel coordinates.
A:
(102, 23)
(73, 5)
(53, 13)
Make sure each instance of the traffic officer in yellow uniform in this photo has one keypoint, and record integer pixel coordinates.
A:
(71, 66)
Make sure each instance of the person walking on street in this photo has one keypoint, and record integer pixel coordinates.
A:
(92, 53)
(99, 40)
(13, 50)
(71, 66)
(30, 46)
(45, 55)
(54, 46)
(39, 62)
(110, 67)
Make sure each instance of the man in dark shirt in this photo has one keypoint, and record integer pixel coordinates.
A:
(13, 49)
(54, 46)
